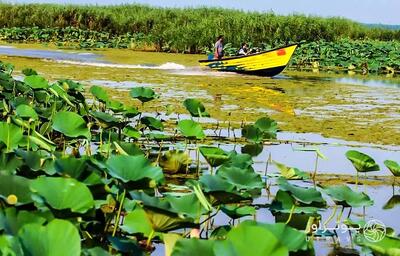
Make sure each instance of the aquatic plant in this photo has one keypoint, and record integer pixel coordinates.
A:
(95, 171)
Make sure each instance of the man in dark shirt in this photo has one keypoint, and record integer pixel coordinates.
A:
(219, 48)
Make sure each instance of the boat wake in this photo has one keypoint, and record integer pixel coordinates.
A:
(165, 66)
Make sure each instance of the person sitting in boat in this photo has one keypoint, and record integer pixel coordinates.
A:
(219, 48)
(244, 49)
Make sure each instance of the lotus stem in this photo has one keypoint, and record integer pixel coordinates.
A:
(357, 181)
(339, 218)
(27, 143)
(198, 162)
(101, 136)
(266, 166)
(330, 217)
(315, 168)
(121, 202)
(109, 144)
(291, 214)
(159, 153)
(148, 243)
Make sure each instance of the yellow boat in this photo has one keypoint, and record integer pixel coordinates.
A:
(267, 63)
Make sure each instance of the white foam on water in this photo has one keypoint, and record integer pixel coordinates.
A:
(165, 66)
(6, 47)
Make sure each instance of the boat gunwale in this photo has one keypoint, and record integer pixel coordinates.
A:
(249, 55)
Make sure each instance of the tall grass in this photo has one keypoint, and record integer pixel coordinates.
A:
(189, 29)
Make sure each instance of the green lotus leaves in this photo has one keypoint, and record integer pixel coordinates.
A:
(10, 134)
(361, 161)
(106, 120)
(36, 82)
(152, 123)
(63, 193)
(303, 195)
(143, 94)
(174, 161)
(70, 124)
(70, 166)
(195, 108)
(131, 132)
(133, 168)
(263, 128)
(237, 211)
(241, 178)
(99, 93)
(130, 112)
(59, 237)
(26, 112)
(190, 129)
(268, 127)
(12, 221)
(162, 214)
(345, 196)
(214, 183)
(115, 106)
(137, 222)
(249, 239)
(187, 247)
(291, 173)
(186, 206)
(10, 245)
(379, 243)
(284, 203)
(214, 156)
(293, 239)
(253, 149)
(29, 72)
(393, 166)
(15, 189)
(392, 202)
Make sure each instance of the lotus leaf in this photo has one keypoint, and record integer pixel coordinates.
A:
(241, 178)
(345, 196)
(99, 93)
(249, 239)
(214, 156)
(63, 193)
(70, 124)
(106, 120)
(133, 168)
(253, 149)
(152, 123)
(393, 166)
(10, 134)
(17, 186)
(361, 161)
(387, 246)
(189, 247)
(191, 129)
(143, 94)
(174, 161)
(36, 82)
(291, 173)
(238, 211)
(195, 108)
(25, 111)
(393, 202)
(309, 196)
(49, 240)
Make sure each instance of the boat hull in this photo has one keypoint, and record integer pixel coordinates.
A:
(268, 63)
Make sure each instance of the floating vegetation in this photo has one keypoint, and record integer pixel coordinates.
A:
(115, 180)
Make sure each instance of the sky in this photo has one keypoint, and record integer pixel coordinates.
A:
(366, 11)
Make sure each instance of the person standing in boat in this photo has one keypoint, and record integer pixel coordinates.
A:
(219, 48)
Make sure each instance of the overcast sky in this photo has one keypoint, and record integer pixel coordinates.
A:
(367, 11)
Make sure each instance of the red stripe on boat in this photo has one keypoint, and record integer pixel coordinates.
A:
(281, 52)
